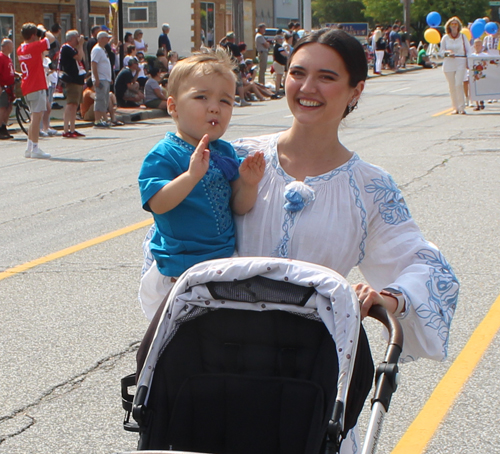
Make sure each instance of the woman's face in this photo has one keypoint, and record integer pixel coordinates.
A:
(454, 27)
(317, 86)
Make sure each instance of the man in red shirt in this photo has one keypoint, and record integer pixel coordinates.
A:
(34, 84)
(7, 79)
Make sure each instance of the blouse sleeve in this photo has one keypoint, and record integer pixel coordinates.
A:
(443, 46)
(398, 256)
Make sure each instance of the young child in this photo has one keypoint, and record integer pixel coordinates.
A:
(190, 178)
(478, 52)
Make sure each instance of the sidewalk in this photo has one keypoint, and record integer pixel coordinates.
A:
(128, 116)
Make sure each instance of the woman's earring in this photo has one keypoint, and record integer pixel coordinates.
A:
(352, 105)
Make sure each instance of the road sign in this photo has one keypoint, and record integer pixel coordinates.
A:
(356, 29)
(494, 3)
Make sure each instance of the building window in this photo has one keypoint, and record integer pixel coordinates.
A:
(137, 14)
(140, 15)
(96, 20)
(7, 31)
(207, 18)
(48, 20)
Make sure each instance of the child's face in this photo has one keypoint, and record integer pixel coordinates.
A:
(478, 46)
(203, 105)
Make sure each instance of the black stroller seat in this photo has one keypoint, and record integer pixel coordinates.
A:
(254, 373)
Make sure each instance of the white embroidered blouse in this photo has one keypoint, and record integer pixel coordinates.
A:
(352, 216)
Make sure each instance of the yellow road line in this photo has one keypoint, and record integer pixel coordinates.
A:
(447, 111)
(72, 249)
(427, 422)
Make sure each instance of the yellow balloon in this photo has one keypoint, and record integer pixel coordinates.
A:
(466, 33)
(432, 36)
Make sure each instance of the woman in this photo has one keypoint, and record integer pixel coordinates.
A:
(455, 48)
(334, 198)
(319, 202)
(378, 48)
(154, 98)
(139, 43)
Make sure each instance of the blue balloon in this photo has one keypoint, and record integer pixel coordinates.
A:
(491, 28)
(477, 29)
(481, 20)
(433, 19)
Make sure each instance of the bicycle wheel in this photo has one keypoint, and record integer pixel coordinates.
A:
(23, 116)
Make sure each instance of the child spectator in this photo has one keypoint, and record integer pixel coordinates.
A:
(478, 52)
(190, 178)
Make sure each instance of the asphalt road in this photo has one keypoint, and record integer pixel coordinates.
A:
(70, 327)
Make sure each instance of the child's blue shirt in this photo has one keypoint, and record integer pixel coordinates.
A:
(201, 227)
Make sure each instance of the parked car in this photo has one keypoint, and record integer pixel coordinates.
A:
(271, 33)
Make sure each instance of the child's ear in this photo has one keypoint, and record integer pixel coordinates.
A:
(171, 107)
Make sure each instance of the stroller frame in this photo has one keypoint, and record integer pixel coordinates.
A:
(319, 294)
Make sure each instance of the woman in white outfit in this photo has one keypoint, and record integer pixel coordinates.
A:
(455, 48)
(320, 202)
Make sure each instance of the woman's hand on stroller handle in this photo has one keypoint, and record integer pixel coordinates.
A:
(368, 297)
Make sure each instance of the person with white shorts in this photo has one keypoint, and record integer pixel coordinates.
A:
(34, 84)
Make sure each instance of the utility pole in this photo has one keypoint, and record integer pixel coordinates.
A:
(82, 11)
(406, 13)
(307, 15)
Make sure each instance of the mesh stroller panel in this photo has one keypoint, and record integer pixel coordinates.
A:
(241, 382)
(260, 288)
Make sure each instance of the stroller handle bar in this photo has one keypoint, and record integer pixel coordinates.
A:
(395, 331)
(386, 377)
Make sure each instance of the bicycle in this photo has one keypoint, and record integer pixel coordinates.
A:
(23, 114)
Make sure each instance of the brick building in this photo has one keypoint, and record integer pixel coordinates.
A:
(192, 21)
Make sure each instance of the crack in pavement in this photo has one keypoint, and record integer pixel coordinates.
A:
(57, 391)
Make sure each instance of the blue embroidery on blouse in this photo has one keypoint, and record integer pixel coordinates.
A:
(282, 248)
(362, 212)
(353, 440)
(392, 205)
(443, 289)
(146, 250)
(216, 186)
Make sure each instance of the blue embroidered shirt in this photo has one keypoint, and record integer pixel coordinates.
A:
(201, 227)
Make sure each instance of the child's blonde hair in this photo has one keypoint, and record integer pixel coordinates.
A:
(216, 61)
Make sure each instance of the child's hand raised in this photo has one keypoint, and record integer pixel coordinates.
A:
(252, 168)
(200, 159)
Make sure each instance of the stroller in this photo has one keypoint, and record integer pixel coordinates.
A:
(258, 356)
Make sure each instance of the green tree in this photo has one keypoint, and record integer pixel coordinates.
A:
(327, 11)
(387, 11)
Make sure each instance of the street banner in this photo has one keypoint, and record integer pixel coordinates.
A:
(484, 78)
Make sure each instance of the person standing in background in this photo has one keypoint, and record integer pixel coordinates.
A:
(262, 48)
(139, 41)
(101, 78)
(7, 80)
(34, 83)
(71, 64)
(455, 49)
(91, 43)
(164, 40)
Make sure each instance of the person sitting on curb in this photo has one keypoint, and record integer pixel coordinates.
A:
(127, 89)
(423, 59)
(153, 94)
(87, 105)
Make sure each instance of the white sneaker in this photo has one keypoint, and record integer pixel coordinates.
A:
(51, 132)
(37, 153)
(43, 134)
(27, 153)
